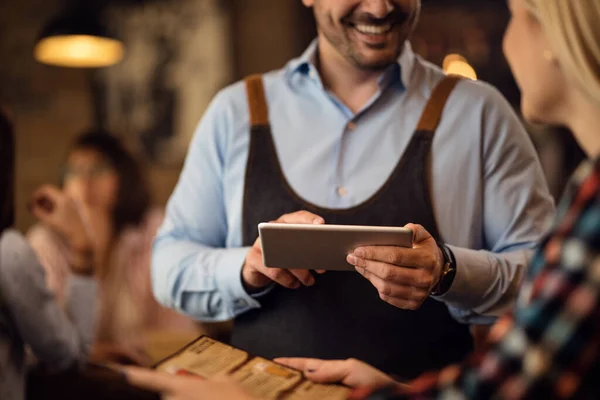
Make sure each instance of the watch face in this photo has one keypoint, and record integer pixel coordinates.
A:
(447, 279)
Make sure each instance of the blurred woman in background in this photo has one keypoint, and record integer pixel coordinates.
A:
(30, 316)
(100, 222)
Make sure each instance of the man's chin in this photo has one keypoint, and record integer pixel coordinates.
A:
(371, 58)
(375, 63)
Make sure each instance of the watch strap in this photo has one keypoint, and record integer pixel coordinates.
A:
(448, 271)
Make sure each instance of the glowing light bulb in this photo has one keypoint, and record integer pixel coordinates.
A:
(80, 51)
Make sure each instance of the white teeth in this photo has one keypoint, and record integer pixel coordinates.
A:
(373, 29)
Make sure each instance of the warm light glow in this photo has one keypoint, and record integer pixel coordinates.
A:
(81, 51)
(450, 58)
(455, 64)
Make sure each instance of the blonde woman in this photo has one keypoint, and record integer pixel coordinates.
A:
(549, 346)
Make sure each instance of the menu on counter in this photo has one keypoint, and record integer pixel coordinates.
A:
(207, 358)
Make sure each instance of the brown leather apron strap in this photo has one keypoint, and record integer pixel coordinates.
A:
(432, 114)
(257, 103)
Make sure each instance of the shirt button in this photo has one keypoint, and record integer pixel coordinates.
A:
(342, 191)
(351, 126)
(241, 303)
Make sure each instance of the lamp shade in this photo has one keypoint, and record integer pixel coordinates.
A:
(78, 39)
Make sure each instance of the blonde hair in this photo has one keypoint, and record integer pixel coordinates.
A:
(573, 28)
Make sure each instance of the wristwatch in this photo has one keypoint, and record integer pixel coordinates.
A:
(448, 272)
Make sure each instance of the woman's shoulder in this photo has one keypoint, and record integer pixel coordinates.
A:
(12, 241)
(15, 253)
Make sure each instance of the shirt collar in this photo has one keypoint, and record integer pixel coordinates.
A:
(306, 60)
(400, 70)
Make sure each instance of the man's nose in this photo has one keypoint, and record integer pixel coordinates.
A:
(377, 8)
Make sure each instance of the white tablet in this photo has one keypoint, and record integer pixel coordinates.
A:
(295, 246)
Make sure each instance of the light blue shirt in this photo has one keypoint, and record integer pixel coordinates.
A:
(490, 198)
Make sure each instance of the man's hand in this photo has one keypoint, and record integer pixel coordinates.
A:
(351, 372)
(256, 276)
(403, 277)
(173, 387)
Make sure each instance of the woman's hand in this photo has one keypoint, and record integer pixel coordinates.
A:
(349, 372)
(173, 387)
(60, 213)
(54, 208)
(108, 352)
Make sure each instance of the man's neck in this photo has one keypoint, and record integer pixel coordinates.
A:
(352, 85)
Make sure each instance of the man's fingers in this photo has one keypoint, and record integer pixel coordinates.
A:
(420, 234)
(282, 277)
(144, 378)
(402, 303)
(303, 276)
(394, 274)
(301, 217)
(399, 256)
(255, 256)
(258, 248)
(291, 279)
(392, 290)
(404, 297)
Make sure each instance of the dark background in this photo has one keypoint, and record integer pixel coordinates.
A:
(50, 105)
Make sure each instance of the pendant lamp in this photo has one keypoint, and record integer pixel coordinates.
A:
(77, 38)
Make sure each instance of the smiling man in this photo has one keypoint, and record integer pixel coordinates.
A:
(358, 130)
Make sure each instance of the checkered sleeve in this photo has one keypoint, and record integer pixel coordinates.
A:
(550, 346)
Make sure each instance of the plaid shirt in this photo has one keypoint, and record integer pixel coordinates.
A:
(549, 346)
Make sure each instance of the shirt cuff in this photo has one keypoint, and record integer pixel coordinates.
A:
(263, 292)
(472, 280)
(228, 277)
(471, 317)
